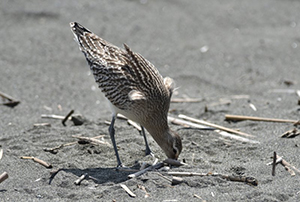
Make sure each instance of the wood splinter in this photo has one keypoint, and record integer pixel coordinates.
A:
(289, 167)
(229, 117)
(129, 192)
(247, 180)
(80, 179)
(11, 101)
(141, 172)
(3, 177)
(45, 164)
(214, 125)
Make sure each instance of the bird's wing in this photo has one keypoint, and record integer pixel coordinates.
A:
(122, 75)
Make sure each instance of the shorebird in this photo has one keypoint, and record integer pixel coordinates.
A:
(133, 87)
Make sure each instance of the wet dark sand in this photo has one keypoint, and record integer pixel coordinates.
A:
(213, 50)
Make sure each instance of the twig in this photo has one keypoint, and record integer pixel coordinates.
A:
(229, 117)
(11, 101)
(274, 164)
(41, 124)
(235, 137)
(91, 140)
(54, 150)
(188, 100)
(177, 180)
(199, 197)
(67, 117)
(144, 189)
(128, 190)
(45, 164)
(187, 123)
(285, 163)
(214, 125)
(80, 179)
(134, 124)
(223, 133)
(53, 116)
(3, 176)
(1, 153)
(141, 172)
(291, 133)
(247, 180)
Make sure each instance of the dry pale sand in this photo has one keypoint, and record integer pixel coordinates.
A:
(212, 49)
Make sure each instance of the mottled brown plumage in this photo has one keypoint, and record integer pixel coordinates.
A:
(133, 86)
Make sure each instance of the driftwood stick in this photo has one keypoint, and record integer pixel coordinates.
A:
(1, 153)
(214, 125)
(53, 116)
(43, 163)
(188, 100)
(285, 163)
(247, 180)
(141, 172)
(129, 192)
(80, 179)
(144, 189)
(253, 118)
(187, 123)
(3, 176)
(222, 133)
(54, 150)
(12, 102)
(274, 164)
(91, 140)
(134, 124)
(67, 117)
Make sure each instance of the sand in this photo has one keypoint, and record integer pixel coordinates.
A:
(213, 50)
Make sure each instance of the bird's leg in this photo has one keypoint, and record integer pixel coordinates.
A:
(111, 130)
(148, 150)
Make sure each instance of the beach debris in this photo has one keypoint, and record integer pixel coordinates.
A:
(82, 140)
(252, 106)
(43, 163)
(129, 192)
(80, 179)
(54, 150)
(141, 172)
(213, 125)
(1, 153)
(92, 140)
(186, 100)
(274, 164)
(147, 195)
(8, 100)
(3, 177)
(229, 117)
(77, 119)
(177, 180)
(288, 91)
(291, 133)
(67, 117)
(41, 124)
(247, 180)
(134, 124)
(289, 167)
(202, 127)
(199, 197)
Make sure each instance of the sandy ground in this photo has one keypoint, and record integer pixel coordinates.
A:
(212, 49)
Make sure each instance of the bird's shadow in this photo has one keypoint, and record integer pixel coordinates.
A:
(98, 175)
